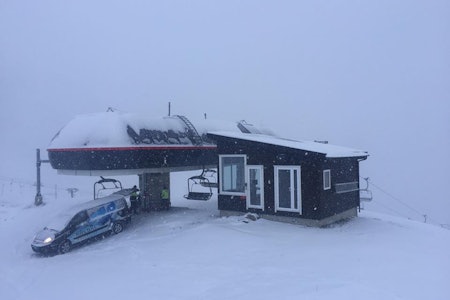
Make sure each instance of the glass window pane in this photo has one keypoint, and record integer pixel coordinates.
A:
(227, 175)
(295, 189)
(347, 187)
(284, 188)
(255, 187)
(233, 174)
(326, 179)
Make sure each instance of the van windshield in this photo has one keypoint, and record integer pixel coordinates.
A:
(60, 221)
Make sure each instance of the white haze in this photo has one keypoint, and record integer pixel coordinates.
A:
(371, 75)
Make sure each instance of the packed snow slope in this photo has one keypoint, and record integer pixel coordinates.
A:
(190, 252)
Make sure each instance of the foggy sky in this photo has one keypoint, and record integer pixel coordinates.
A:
(373, 75)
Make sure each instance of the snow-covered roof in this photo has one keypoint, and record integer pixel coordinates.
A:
(104, 129)
(331, 151)
(112, 129)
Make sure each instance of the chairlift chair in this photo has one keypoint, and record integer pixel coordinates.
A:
(202, 180)
(365, 194)
(111, 184)
(210, 179)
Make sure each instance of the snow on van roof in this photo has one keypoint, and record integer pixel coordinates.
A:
(61, 219)
(331, 151)
(97, 202)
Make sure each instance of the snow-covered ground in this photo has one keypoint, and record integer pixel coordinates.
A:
(190, 252)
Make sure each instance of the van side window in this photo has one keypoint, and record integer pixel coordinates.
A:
(120, 203)
(97, 212)
(78, 218)
(111, 206)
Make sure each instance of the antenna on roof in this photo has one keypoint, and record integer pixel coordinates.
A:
(169, 108)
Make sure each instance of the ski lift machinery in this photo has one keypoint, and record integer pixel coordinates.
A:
(203, 180)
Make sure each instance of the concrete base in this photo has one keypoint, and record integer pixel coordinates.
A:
(292, 220)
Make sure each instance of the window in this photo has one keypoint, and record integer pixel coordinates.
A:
(232, 174)
(78, 219)
(97, 212)
(346, 187)
(255, 187)
(326, 179)
(111, 206)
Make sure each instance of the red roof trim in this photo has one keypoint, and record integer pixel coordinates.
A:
(134, 148)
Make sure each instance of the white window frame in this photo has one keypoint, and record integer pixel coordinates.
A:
(247, 183)
(299, 189)
(221, 191)
(326, 174)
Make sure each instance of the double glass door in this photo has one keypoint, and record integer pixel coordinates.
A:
(288, 189)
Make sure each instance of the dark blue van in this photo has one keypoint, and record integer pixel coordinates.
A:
(83, 223)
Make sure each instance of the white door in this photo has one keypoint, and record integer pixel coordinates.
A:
(255, 187)
(288, 189)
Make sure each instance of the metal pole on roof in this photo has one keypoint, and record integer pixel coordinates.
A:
(169, 108)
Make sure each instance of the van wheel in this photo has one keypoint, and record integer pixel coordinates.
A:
(64, 247)
(117, 228)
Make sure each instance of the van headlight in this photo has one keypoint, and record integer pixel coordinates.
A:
(48, 240)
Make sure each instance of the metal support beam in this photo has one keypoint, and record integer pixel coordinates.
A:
(38, 199)
(151, 186)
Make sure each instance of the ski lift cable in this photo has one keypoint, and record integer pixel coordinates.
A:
(425, 216)
(397, 199)
(394, 211)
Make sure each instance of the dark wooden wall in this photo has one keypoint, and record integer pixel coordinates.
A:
(316, 202)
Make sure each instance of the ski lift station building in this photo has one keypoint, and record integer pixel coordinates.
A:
(310, 183)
